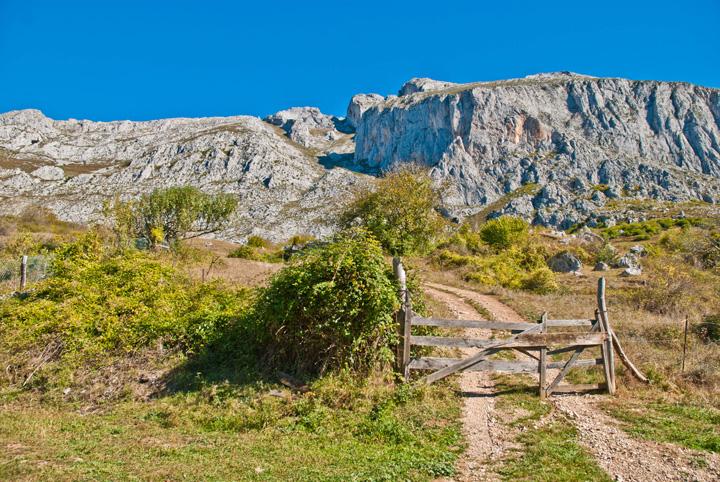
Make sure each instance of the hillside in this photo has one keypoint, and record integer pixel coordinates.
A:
(557, 149)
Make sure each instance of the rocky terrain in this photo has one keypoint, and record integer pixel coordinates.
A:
(553, 148)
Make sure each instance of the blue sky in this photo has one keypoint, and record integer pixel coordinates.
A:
(129, 59)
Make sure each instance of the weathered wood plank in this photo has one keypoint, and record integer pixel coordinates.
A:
(478, 357)
(542, 363)
(511, 366)
(481, 324)
(568, 339)
(556, 323)
(607, 347)
(436, 363)
(580, 388)
(451, 341)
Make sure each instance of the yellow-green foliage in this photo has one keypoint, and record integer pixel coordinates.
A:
(504, 232)
(100, 302)
(400, 213)
(517, 267)
(332, 307)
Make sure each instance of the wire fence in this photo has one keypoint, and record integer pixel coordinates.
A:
(38, 268)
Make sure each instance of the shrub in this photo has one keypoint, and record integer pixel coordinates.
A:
(607, 254)
(709, 329)
(332, 307)
(509, 268)
(245, 252)
(504, 232)
(99, 303)
(645, 229)
(258, 242)
(541, 280)
(400, 213)
(172, 214)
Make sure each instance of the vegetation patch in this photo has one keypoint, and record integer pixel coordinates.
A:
(645, 229)
(549, 450)
(688, 425)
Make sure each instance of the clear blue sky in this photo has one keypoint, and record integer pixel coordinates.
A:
(129, 59)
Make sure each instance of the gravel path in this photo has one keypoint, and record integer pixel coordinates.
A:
(485, 434)
(623, 457)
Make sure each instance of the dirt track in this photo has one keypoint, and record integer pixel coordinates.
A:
(623, 457)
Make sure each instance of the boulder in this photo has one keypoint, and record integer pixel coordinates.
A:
(49, 173)
(638, 250)
(637, 271)
(628, 261)
(600, 266)
(564, 262)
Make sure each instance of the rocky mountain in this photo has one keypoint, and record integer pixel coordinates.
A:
(553, 148)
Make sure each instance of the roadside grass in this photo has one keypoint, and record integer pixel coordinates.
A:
(342, 429)
(683, 424)
(548, 441)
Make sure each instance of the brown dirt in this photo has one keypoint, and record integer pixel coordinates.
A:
(630, 459)
(484, 431)
(623, 457)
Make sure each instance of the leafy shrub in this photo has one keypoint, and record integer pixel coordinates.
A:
(504, 232)
(644, 229)
(245, 252)
(541, 280)
(258, 242)
(509, 268)
(709, 329)
(332, 306)
(172, 214)
(400, 213)
(99, 303)
(606, 254)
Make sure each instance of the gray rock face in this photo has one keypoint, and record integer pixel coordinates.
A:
(564, 262)
(563, 131)
(551, 148)
(281, 186)
(629, 260)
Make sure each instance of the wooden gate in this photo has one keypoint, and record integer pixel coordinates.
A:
(538, 341)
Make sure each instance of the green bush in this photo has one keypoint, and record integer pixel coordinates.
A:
(541, 280)
(100, 303)
(258, 242)
(709, 329)
(504, 232)
(332, 307)
(509, 268)
(245, 252)
(400, 212)
(645, 229)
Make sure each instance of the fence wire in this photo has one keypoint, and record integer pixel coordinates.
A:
(38, 268)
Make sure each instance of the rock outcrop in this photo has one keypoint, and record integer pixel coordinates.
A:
(553, 148)
(72, 166)
(581, 140)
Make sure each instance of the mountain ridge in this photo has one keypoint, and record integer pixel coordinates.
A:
(582, 140)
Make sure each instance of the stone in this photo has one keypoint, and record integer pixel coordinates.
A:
(638, 250)
(635, 271)
(600, 266)
(49, 173)
(628, 261)
(564, 262)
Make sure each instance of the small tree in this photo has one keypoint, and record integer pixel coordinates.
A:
(173, 214)
(505, 231)
(400, 212)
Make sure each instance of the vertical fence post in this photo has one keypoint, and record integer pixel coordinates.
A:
(23, 272)
(607, 346)
(404, 319)
(682, 367)
(543, 360)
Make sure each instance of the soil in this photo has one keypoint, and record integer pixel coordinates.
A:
(623, 457)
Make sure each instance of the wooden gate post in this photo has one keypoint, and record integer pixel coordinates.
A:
(23, 272)
(404, 321)
(543, 360)
(607, 346)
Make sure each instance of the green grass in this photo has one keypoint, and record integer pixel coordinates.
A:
(550, 450)
(220, 433)
(687, 425)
